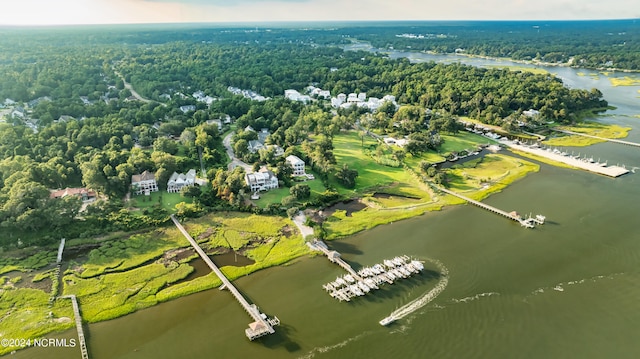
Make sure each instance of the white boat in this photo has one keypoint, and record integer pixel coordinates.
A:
(388, 320)
(365, 288)
(419, 266)
(391, 275)
(349, 278)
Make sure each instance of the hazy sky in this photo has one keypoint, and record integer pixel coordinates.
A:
(45, 12)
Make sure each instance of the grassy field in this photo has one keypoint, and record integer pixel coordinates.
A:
(167, 200)
(464, 140)
(589, 128)
(348, 149)
(276, 195)
(482, 176)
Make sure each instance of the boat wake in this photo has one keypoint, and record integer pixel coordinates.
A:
(560, 287)
(425, 299)
(475, 297)
(328, 348)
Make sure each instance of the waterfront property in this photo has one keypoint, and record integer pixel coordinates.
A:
(297, 164)
(179, 180)
(144, 183)
(262, 180)
(82, 193)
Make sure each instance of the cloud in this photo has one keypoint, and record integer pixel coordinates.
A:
(226, 2)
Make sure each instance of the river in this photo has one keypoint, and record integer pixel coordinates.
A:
(567, 289)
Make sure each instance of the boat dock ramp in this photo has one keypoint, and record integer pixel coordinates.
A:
(355, 284)
(262, 325)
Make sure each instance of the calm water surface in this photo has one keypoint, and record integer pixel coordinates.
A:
(568, 289)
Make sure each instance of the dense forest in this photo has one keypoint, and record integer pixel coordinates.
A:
(68, 120)
(589, 44)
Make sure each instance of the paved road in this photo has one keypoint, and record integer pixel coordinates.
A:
(299, 220)
(235, 162)
(133, 92)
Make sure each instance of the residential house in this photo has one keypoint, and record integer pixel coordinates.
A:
(278, 151)
(263, 134)
(217, 122)
(531, 113)
(262, 180)
(84, 194)
(179, 180)
(18, 112)
(144, 183)
(187, 108)
(34, 103)
(297, 164)
(294, 95)
(255, 146)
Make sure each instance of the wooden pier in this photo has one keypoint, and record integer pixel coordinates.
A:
(525, 222)
(626, 143)
(60, 250)
(76, 313)
(262, 325)
(334, 257)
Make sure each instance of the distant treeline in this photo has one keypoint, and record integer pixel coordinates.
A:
(589, 44)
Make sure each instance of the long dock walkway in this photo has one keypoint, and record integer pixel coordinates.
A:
(334, 257)
(599, 168)
(528, 222)
(627, 143)
(261, 325)
(76, 313)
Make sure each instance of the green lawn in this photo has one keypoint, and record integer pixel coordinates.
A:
(167, 200)
(482, 176)
(348, 148)
(463, 140)
(276, 195)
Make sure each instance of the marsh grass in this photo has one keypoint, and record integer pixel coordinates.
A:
(480, 177)
(590, 128)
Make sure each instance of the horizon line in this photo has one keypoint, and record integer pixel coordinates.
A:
(302, 22)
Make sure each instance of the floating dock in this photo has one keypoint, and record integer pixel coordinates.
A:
(262, 325)
(368, 279)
